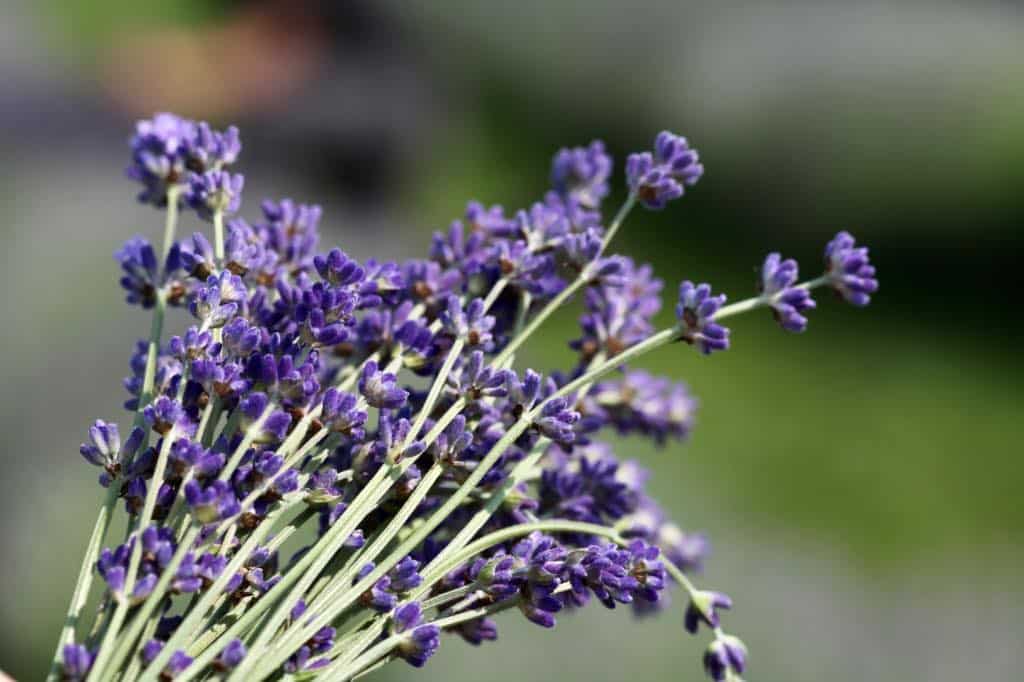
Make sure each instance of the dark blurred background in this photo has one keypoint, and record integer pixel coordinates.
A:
(861, 483)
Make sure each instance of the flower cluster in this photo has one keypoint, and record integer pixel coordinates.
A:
(380, 402)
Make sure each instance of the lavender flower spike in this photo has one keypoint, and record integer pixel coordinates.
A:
(788, 302)
(849, 270)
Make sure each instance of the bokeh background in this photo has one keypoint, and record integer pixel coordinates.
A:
(861, 483)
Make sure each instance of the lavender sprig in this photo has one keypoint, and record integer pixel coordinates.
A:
(381, 400)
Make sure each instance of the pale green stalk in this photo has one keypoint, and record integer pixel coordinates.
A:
(617, 221)
(600, 370)
(276, 657)
(549, 308)
(126, 640)
(124, 602)
(310, 566)
(218, 236)
(85, 573)
(418, 494)
(197, 613)
(435, 392)
(253, 615)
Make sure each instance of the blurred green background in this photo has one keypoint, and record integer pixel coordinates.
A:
(861, 483)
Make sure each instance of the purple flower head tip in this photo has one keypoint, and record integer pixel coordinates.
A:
(703, 608)
(724, 655)
(77, 661)
(141, 271)
(381, 389)
(215, 191)
(231, 656)
(420, 640)
(849, 269)
(659, 177)
(581, 174)
(166, 148)
(788, 302)
(469, 323)
(105, 446)
(696, 312)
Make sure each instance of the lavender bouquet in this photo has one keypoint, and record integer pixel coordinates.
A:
(373, 414)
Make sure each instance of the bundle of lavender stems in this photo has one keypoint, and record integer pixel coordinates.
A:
(336, 464)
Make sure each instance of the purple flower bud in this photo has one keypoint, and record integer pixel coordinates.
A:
(341, 414)
(491, 221)
(150, 650)
(658, 178)
(212, 503)
(557, 422)
(849, 269)
(197, 257)
(470, 324)
(581, 174)
(420, 641)
(141, 272)
(523, 393)
(165, 414)
(725, 654)
(231, 656)
(77, 660)
(215, 191)
(176, 665)
(696, 312)
(408, 616)
(338, 269)
(788, 302)
(220, 300)
(703, 608)
(105, 446)
(381, 388)
(478, 631)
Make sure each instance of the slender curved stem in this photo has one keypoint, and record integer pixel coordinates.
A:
(81, 592)
(546, 312)
(124, 601)
(617, 221)
(127, 639)
(195, 614)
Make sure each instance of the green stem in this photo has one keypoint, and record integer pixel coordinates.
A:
(480, 518)
(601, 369)
(385, 647)
(341, 584)
(127, 639)
(448, 597)
(80, 595)
(275, 658)
(152, 352)
(551, 306)
(303, 573)
(196, 614)
(171, 219)
(435, 391)
(124, 602)
(218, 236)
(617, 221)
